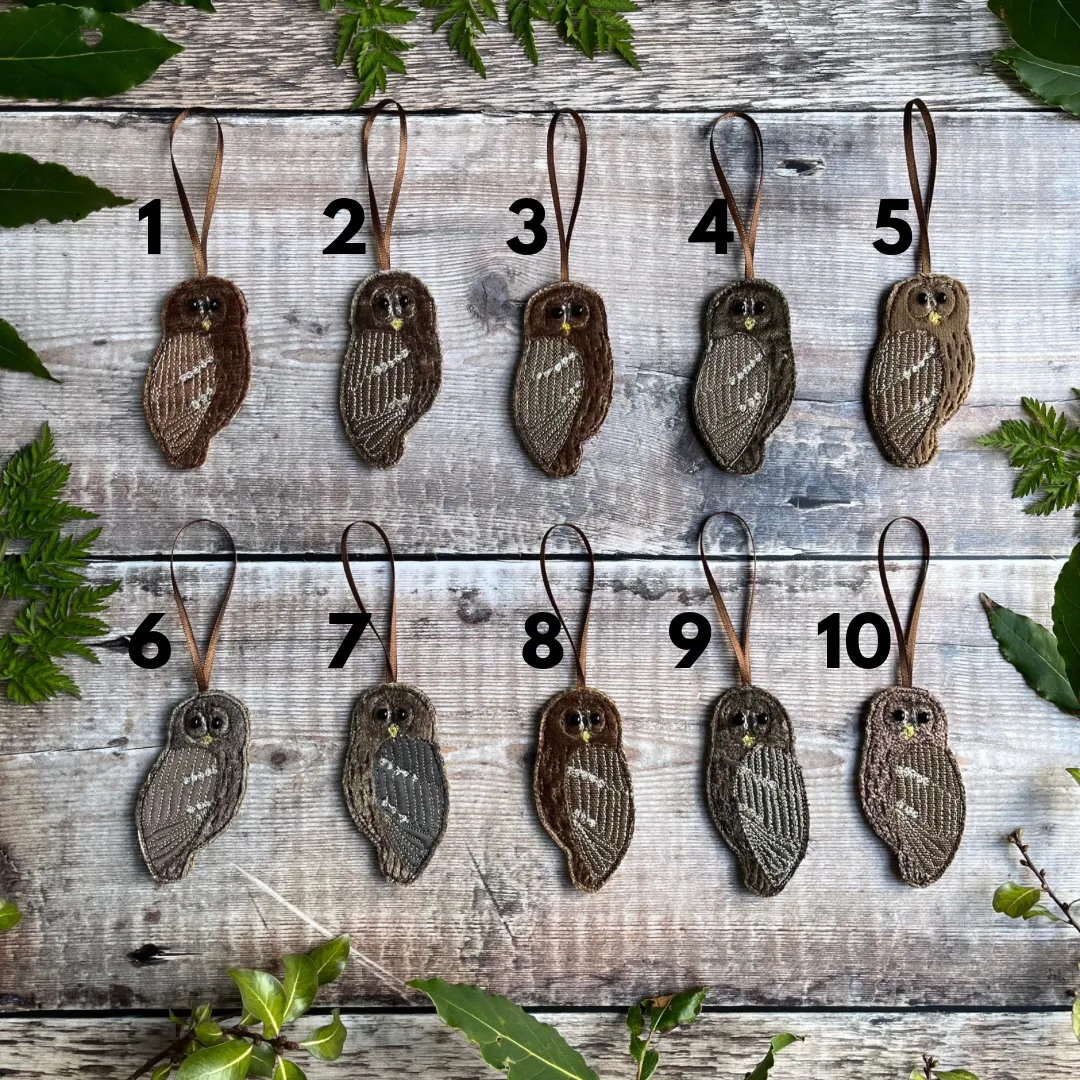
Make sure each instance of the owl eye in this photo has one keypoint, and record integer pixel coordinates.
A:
(405, 303)
(940, 297)
(922, 298)
(196, 724)
(738, 307)
(759, 307)
(737, 720)
(382, 303)
(761, 719)
(382, 714)
(401, 714)
(193, 305)
(899, 716)
(219, 723)
(573, 722)
(557, 312)
(596, 721)
(213, 304)
(922, 717)
(577, 311)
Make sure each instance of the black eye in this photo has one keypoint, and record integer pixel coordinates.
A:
(213, 304)
(573, 721)
(382, 714)
(382, 302)
(922, 298)
(196, 722)
(577, 310)
(193, 305)
(922, 716)
(219, 723)
(737, 720)
(596, 721)
(761, 719)
(940, 297)
(737, 307)
(759, 307)
(401, 714)
(556, 312)
(899, 715)
(405, 300)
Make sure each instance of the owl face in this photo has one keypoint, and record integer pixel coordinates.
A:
(932, 301)
(212, 720)
(747, 716)
(747, 307)
(560, 311)
(202, 305)
(393, 301)
(392, 710)
(907, 716)
(581, 716)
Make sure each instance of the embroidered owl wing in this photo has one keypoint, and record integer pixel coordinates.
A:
(180, 386)
(600, 806)
(376, 394)
(548, 392)
(411, 803)
(906, 380)
(730, 395)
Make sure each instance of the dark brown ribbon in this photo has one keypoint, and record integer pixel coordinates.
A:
(906, 642)
(389, 647)
(741, 651)
(921, 209)
(583, 156)
(382, 236)
(203, 667)
(198, 244)
(749, 239)
(580, 650)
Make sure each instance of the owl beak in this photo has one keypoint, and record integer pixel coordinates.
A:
(207, 740)
(393, 731)
(935, 317)
(397, 324)
(748, 741)
(206, 325)
(749, 323)
(909, 731)
(566, 328)
(585, 736)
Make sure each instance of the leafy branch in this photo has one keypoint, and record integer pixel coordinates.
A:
(657, 1016)
(1046, 52)
(930, 1071)
(465, 19)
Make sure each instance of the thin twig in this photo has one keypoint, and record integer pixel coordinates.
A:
(166, 1053)
(1016, 839)
(929, 1065)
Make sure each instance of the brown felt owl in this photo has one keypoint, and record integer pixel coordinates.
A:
(196, 786)
(200, 372)
(393, 365)
(581, 784)
(909, 783)
(746, 380)
(394, 778)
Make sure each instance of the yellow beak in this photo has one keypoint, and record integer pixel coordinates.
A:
(206, 325)
(909, 731)
(397, 324)
(935, 318)
(566, 328)
(585, 736)
(748, 740)
(207, 740)
(393, 731)
(749, 324)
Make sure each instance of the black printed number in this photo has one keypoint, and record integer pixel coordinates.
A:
(830, 627)
(886, 219)
(357, 622)
(144, 635)
(344, 244)
(548, 638)
(695, 645)
(533, 224)
(151, 214)
(713, 228)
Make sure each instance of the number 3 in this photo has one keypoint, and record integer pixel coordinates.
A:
(533, 224)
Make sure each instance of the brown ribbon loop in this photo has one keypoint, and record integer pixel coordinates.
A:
(389, 647)
(203, 667)
(749, 239)
(583, 155)
(906, 642)
(581, 648)
(921, 209)
(382, 236)
(741, 651)
(198, 244)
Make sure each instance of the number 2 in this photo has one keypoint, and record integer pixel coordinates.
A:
(342, 245)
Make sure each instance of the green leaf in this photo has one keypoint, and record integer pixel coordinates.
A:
(301, 985)
(201, 1013)
(1016, 900)
(16, 355)
(361, 30)
(327, 1042)
(226, 1061)
(44, 191)
(776, 1044)
(263, 996)
(329, 958)
(43, 53)
(262, 1060)
(1033, 651)
(1066, 616)
(10, 915)
(596, 26)
(669, 1012)
(465, 18)
(1076, 1017)
(1057, 84)
(955, 1074)
(648, 1063)
(287, 1070)
(634, 1020)
(1039, 912)
(208, 1033)
(162, 1071)
(1075, 774)
(1048, 28)
(509, 1039)
(520, 14)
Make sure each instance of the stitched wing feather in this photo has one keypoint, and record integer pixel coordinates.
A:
(929, 811)
(180, 386)
(905, 387)
(600, 803)
(377, 393)
(550, 385)
(730, 395)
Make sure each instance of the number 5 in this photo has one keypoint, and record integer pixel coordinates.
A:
(886, 220)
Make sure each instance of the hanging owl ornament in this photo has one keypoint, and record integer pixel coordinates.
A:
(924, 362)
(392, 369)
(200, 372)
(394, 778)
(909, 783)
(565, 377)
(746, 379)
(195, 787)
(753, 782)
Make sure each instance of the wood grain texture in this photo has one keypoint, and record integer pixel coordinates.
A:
(88, 297)
(495, 906)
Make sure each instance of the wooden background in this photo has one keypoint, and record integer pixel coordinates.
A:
(875, 973)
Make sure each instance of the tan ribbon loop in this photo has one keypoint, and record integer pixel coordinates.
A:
(583, 155)
(906, 642)
(203, 667)
(749, 239)
(382, 235)
(198, 244)
(741, 651)
(389, 647)
(921, 209)
(581, 648)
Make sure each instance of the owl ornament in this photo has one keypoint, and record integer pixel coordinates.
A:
(924, 363)
(746, 379)
(581, 781)
(753, 782)
(196, 786)
(392, 369)
(200, 372)
(909, 782)
(564, 379)
(394, 777)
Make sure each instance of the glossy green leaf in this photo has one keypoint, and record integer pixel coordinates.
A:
(201, 1013)
(10, 915)
(301, 985)
(1057, 84)
(1016, 900)
(44, 191)
(162, 1071)
(208, 1033)
(955, 1074)
(329, 958)
(1066, 616)
(666, 1013)
(634, 1020)
(44, 54)
(226, 1061)
(263, 997)
(1076, 1017)
(327, 1042)
(16, 355)
(1047, 28)
(649, 1062)
(1039, 912)
(284, 1069)
(776, 1044)
(508, 1038)
(262, 1060)
(1075, 774)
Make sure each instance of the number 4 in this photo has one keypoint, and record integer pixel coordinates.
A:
(720, 236)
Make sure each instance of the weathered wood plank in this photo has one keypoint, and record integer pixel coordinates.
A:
(87, 296)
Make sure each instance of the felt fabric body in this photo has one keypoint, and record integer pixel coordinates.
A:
(565, 378)
(200, 372)
(196, 786)
(392, 369)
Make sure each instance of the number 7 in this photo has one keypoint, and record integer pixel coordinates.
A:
(358, 621)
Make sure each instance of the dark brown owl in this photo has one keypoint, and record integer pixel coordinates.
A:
(196, 786)
(393, 365)
(909, 783)
(746, 379)
(922, 368)
(581, 784)
(564, 381)
(755, 787)
(200, 373)
(394, 778)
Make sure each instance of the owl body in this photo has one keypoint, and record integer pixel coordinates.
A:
(395, 780)
(754, 787)
(746, 379)
(201, 370)
(392, 369)
(565, 378)
(581, 784)
(922, 368)
(195, 787)
(909, 783)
